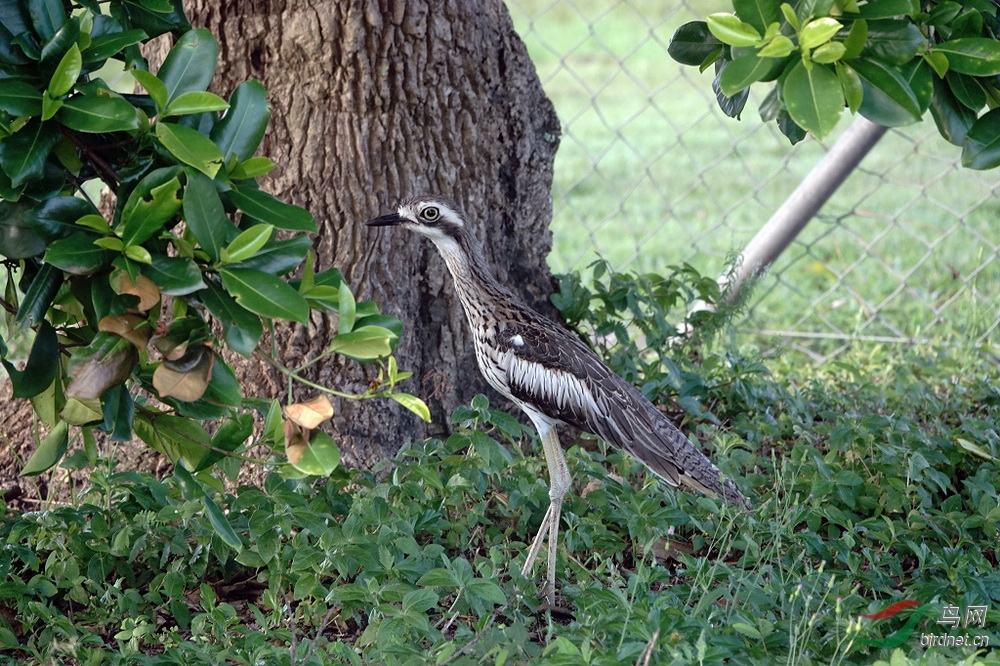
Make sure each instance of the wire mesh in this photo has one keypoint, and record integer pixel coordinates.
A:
(650, 173)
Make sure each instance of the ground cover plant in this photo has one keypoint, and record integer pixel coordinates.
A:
(874, 481)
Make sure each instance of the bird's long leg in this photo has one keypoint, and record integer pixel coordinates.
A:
(559, 483)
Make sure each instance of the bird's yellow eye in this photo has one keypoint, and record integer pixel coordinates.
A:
(430, 214)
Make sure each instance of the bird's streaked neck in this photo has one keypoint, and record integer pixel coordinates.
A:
(473, 280)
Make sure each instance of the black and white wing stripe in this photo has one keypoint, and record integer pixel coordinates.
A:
(554, 371)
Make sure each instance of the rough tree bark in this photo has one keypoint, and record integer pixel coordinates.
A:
(373, 101)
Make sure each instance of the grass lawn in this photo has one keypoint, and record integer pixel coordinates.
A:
(870, 487)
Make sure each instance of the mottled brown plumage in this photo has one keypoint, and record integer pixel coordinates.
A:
(552, 375)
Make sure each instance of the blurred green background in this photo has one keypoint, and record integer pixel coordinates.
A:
(650, 173)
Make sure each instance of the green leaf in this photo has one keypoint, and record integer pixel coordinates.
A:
(241, 328)
(758, 13)
(67, 36)
(20, 99)
(728, 29)
(982, 142)
(893, 42)
(251, 168)
(693, 43)
(248, 243)
(347, 308)
(47, 16)
(228, 437)
(154, 86)
(265, 294)
(42, 366)
(414, 404)
(966, 90)
(156, 16)
(818, 31)
(23, 154)
(50, 106)
(976, 56)
(97, 114)
(743, 71)
(938, 62)
(856, 38)
(241, 129)
(119, 414)
(851, 83)
(974, 449)
(19, 239)
(321, 457)
(81, 411)
(365, 343)
(828, 53)
(205, 214)
(77, 254)
(221, 525)
(279, 257)
(748, 630)
(779, 47)
(943, 14)
(813, 97)
(190, 147)
(103, 47)
(49, 452)
(439, 577)
(790, 16)
(60, 216)
(181, 439)
(887, 9)
(190, 65)
(195, 102)
(266, 208)
(66, 73)
(953, 119)
(138, 253)
(176, 276)
(888, 100)
(153, 202)
(919, 76)
(38, 298)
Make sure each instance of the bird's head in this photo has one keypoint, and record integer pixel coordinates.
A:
(437, 218)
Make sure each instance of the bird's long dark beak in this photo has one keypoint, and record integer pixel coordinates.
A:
(390, 220)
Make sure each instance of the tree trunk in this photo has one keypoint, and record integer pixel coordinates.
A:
(374, 101)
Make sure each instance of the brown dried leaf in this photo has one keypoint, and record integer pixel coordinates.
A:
(107, 362)
(187, 384)
(143, 287)
(311, 413)
(132, 327)
(296, 441)
(169, 348)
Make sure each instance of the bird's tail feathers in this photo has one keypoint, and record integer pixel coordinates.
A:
(672, 457)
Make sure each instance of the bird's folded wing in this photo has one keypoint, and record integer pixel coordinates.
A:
(557, 373)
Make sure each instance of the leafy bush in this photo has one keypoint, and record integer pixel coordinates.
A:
(890, 61)
(126, 309)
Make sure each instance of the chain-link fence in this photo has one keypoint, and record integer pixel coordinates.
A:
(650, 173)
